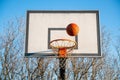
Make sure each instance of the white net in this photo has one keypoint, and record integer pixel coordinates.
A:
(63, 46)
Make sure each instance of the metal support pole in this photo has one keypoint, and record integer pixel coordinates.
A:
(62, 65)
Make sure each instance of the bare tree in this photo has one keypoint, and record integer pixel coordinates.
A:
(9, 50)
(14, 66)
(13, 63)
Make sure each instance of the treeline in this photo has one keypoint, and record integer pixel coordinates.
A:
(14, 66)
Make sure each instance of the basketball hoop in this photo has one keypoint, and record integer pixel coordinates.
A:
(63, 47)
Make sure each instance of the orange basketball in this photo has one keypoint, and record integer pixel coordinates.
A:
(72, 29)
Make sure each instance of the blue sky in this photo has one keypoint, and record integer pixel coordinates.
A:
(109, 10)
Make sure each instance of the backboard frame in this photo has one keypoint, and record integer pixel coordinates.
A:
(37, 54)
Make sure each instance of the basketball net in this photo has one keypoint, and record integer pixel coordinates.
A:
(63, 47)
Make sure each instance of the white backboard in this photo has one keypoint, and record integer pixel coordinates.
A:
(45, 26)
